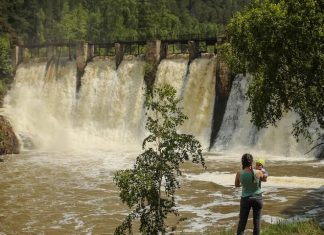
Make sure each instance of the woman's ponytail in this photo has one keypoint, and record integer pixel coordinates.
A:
(247, 160)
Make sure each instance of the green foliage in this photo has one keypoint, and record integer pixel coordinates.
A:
(150, 186)
(228, 54)
(3, 90)
(297, 228)
(5, 62)
(40, 25)
(102, 20)
(73, 24)
(281, 44)
(6, 70)
(308, 227)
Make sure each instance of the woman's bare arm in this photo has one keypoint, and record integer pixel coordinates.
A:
(264, 178)
(237, 180)
(261, 176)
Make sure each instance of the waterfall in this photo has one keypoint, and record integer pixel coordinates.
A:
(40, 102)
(108, 109)
(238, 134)
(236, 128)
(107, 113)
(112, 100)
(195, 85)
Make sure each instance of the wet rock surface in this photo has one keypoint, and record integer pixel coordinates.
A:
(9, 143)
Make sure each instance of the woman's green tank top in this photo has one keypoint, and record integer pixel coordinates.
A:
(249, 187)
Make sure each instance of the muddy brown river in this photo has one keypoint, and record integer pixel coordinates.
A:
(55, 193)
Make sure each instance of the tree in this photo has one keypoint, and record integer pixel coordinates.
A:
(40, 31)
(6, 69)
(150, 186)
(281, 43)
(73, 23)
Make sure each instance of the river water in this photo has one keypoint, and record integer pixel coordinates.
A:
(62, 193)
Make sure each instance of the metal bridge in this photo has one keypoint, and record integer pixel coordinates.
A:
(131, 46)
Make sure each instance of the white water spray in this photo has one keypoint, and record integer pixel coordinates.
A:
(43, 105)
(196, 87)
(238, 134)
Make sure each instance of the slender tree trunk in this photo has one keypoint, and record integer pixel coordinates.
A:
(159, 177)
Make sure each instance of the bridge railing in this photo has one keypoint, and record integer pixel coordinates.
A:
(140, 40)
(171, 44)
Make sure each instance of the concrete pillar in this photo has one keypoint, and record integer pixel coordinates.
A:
(51, 52)
(81, 61)
(119, 48)
(193, 48)
(215, 48)
(90, 54)
(16, 55)
(153, 51)
(164, 50)
(81, 55)
(152, 59)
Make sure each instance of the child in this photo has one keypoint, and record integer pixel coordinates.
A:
(259, 165)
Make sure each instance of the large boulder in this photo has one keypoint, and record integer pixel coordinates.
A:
(9, 143)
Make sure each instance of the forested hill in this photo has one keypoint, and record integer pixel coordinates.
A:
(101, 20)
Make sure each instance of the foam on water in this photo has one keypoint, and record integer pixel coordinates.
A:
(234, 155)
(227, 180)
(204, 217)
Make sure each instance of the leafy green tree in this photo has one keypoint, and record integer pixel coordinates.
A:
(281, 43)
(166, 22)
(40, 30)
(146, 25)
(5, 61)
(150, 186)
(5, 65)
(73, 24)
(37, 21)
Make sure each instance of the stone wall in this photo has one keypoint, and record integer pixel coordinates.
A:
(152, 60)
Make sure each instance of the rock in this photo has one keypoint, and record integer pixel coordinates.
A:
(9, 143)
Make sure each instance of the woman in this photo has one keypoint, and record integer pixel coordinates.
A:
(249, 179)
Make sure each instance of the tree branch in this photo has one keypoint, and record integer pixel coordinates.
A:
(314, 147)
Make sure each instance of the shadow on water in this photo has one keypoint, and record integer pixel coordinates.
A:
(310, 206)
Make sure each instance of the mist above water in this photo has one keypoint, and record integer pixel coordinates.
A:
(108, 111)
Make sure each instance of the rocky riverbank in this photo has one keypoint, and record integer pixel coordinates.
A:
(9, 143)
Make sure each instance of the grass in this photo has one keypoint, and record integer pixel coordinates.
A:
(296, 228)
(308, 227)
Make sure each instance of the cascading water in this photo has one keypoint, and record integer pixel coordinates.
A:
(236, 128)
(108, 110)
(111, 101)
(43, 104)
(40, 102)
(173, 72)
(238, 134)
(196, 87)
